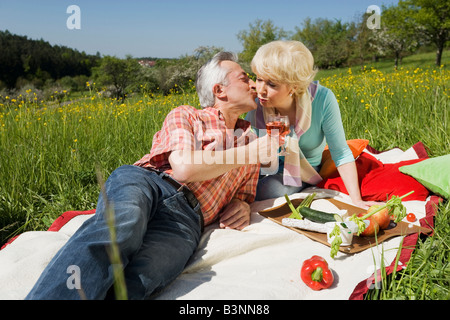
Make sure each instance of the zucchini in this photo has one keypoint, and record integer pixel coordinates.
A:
(319, 216)
(295, 211)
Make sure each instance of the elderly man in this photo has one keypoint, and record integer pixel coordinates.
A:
(162, 202)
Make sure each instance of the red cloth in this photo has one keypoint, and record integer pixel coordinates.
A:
(66, 217)
(387, 181)
(379, 181)
(364, 164)
(58, 223)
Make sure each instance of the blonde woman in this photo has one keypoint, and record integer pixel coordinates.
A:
(285, 72)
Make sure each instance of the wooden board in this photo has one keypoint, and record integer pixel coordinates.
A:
(359, 243)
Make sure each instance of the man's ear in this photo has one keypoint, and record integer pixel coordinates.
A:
(218, 91)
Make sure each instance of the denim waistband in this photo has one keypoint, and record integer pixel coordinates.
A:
(190, 197)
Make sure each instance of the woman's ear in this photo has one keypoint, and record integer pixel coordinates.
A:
(293, 90)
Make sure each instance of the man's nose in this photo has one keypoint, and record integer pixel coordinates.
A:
(252, 84)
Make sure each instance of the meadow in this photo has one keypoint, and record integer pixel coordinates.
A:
(51, 151)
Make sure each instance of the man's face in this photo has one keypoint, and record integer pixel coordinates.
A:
(241, 90)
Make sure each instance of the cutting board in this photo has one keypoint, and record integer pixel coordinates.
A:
(359, 243)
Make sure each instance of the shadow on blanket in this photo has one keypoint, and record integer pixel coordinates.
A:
(194, 279)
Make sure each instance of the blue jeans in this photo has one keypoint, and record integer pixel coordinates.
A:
(271, 186)
(156, 229)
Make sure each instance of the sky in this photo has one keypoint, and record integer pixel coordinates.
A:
(164, 28)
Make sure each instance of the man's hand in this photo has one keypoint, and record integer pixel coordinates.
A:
(235, 215)
(185, 169)
(265, 148)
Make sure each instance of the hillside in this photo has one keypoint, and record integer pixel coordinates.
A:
(25, 60)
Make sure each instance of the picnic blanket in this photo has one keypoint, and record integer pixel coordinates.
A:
(262, 262)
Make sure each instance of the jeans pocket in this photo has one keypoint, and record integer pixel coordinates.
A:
(178, 209)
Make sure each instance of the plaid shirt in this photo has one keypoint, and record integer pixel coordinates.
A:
(188, 128)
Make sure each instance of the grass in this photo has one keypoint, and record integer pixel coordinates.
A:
(50, 150)
(419, 60)
(427, 274)
(394, 108)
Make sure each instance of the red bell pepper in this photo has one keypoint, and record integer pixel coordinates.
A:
(316, 274)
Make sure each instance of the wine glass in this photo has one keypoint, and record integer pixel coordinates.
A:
(278, 125)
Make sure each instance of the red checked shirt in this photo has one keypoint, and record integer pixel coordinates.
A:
(187, 128)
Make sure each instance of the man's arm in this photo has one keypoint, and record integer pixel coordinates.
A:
(200, 165)
(193, 166)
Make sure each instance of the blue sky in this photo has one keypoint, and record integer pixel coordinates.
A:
(165, 28)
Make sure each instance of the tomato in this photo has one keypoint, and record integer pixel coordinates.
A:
(411, 217)
(382, 217)
(373, 227)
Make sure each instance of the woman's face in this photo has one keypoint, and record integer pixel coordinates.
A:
(273, 95)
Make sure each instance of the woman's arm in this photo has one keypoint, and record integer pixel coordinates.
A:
(349, 176)
(340, 152)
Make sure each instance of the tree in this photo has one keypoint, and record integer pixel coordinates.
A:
(260, 33)
(329, 41)
(433, 19)
(174, 74)
(24, 61)
(397, 34)
(118, 73)
(362, 39)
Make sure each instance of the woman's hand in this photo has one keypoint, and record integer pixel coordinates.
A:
(235, 215)
(366, 204)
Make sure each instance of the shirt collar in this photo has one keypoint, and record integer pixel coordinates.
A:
(240, 123)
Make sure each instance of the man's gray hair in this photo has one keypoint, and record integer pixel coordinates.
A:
(211, 74)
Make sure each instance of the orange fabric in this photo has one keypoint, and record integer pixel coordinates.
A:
(328, 168)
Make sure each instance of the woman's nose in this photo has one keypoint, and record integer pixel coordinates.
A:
(260, 87)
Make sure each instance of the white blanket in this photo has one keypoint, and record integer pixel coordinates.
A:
(261, 262)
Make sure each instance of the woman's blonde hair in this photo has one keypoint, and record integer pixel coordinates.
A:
(286, 62)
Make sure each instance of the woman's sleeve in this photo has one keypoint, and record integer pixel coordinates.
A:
(334, 131)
